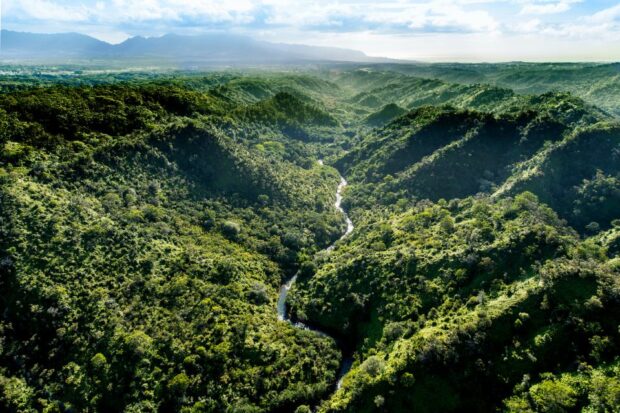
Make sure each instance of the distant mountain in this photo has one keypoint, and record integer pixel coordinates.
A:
(17, 45)
(212, 48)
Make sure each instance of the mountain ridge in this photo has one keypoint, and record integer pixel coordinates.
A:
(205, 48)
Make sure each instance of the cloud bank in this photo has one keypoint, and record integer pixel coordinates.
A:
(413, 29)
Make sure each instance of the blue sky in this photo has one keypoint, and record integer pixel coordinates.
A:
(433, 30)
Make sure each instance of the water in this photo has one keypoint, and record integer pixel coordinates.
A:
(282, 298)
(338, 205)
(286, 287)
(344, 369)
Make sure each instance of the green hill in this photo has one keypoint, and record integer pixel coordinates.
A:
(449, 305)
(381, 88)
(385, 115)
(597, 83)
(442, 152)
(149, 220)
(577, 177)
(142, 254)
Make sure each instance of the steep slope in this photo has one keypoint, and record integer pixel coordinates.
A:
(295, 116)
(449, 305)
(596, 83)
(439, 152)
(388, 113)
(141, 255)
(578, 177)
(374, 89)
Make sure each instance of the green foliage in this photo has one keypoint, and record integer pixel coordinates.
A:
(589, 390)
(598, 83)
(140, 252)
(147, 222)
(577, 177)
(467, 311)
(385, 115)
(231, 229)
(15, 395)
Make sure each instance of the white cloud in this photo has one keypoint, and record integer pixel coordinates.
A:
(46, 10)
(434, 15)
(602, 26)
(308, 13)
(609, 15)
(459, 27)
(239, 11)
(547, 7)
(121, 11)
(454, 15)
(529, 26)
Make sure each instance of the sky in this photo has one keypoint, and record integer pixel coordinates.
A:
(427, 30)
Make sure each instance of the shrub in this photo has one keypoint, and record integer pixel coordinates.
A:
(179, 385)
(231, 229)
(373, 366)
(258, 294)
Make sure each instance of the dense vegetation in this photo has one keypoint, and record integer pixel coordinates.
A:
(144, 238)
(147, 222)
(452, 304)
(598, 83)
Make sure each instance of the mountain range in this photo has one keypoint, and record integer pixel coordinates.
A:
(204, 49)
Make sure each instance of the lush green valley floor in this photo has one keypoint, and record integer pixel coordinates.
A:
(148, 221)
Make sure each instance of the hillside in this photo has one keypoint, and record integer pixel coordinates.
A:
(142, 253)
(466, 285)
(385, 115)
(149, 223)
(597, 83)
(448, 306)
(375, 89)
(444, 153)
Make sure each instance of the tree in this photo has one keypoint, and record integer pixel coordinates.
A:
(231, 229)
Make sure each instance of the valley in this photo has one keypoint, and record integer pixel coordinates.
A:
(339, 238)
(286, 287)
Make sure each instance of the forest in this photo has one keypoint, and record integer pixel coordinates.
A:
(149, 220)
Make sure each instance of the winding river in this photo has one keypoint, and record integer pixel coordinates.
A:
(286, 287)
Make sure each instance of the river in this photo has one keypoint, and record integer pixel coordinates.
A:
(286, 287)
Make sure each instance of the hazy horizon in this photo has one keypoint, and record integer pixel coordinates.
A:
(431, 31)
